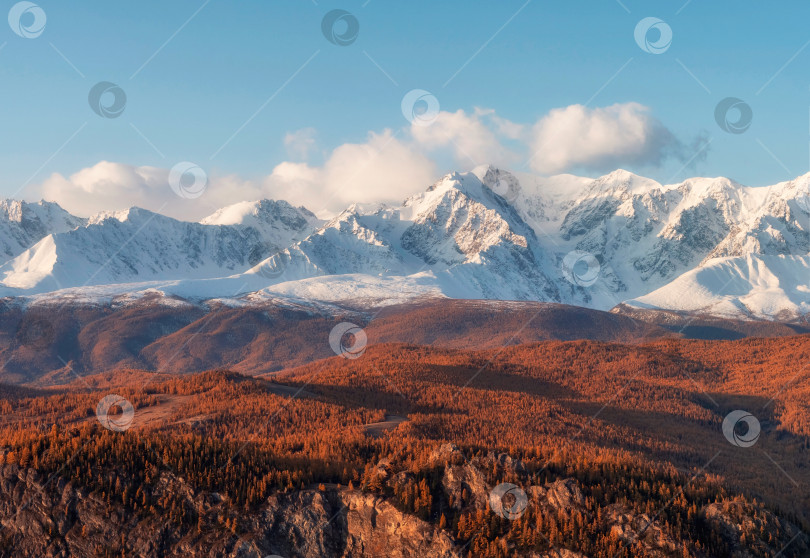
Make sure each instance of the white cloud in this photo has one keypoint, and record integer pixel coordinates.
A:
(108, 186)
(111, 186)
(469, 137)
(389, 166)
(383, 169)
(576, 137)
(300, 143)
(506, 128)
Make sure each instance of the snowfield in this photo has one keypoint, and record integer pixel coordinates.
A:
(706, 245)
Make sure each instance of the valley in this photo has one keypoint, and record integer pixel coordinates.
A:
(557, 367)
(618, 447)
(377, 279)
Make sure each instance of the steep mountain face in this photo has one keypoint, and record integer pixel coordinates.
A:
(763, 287)
(645, 236)
(648, 234)
(758, 269)
(356, 241)
(469, 239)
(484, 243)
(486, 234)
(23, 224)
(779, 227)
(138, 245)
(278, 223)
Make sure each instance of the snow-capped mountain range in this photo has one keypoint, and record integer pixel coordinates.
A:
(24, 224)
(705, 245)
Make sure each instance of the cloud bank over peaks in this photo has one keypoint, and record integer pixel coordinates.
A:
(384, 169)
(391, 165)
(598, 139)
(569, 139)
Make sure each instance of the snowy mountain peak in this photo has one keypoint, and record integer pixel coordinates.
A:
(489, 233)
(136, 245)
(621, 181)
(696, 188)
(453, 186)
(12, 210)
(798, 188)
(277, 223)
(132, 214)
(23, 224)
(753, 286)
(262, 211)
(501, 182)
(18, 210)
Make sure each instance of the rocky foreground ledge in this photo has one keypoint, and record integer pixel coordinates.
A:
(54, 519)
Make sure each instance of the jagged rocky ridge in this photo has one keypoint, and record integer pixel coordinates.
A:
(489, 234)
(46, 517)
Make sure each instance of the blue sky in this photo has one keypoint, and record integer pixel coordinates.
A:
(210, 77)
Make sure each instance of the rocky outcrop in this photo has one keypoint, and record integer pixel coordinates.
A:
(376, 528)
(563, 494)
(465, 486)
(633, 528)
(736, 518)
(49, 517)
(54, 519)
(558, 553)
